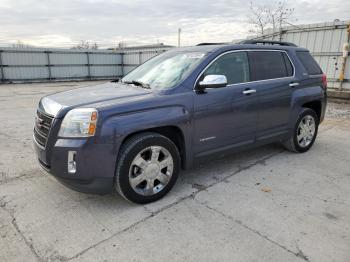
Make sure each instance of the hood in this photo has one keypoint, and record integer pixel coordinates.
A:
(82, 97)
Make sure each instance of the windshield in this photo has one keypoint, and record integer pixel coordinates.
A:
(165, 70)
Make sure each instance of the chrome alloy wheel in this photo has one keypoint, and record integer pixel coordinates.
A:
(306, 131)
(151, 170)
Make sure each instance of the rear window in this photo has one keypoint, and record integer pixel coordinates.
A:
(269, 65)
(309, 63)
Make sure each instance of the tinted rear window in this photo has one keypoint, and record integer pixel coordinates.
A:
(268, 65)
(309, 63)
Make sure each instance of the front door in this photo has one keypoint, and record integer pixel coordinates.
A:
(226, 117)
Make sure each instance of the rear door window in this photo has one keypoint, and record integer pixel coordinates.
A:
(268, 65)
(309, 63)
(233, 65)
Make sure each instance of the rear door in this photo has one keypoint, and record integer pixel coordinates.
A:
(273, 73)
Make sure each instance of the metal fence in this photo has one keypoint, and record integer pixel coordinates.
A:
(325, 42)
(37, 65)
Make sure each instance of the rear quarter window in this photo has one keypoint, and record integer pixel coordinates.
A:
(309, 63)
(289, 66)
(269, 65)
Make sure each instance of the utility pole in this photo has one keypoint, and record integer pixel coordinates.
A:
(179, 37)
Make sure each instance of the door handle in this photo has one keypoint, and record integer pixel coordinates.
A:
(249, 91)
(293, 84)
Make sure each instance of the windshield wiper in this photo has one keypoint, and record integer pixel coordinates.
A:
(138, 83)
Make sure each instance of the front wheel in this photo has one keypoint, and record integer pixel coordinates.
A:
(147, 168)
(304, 133)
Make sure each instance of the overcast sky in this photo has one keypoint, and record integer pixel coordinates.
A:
(62, 23)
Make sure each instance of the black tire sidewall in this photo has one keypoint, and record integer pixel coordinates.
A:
(128, 155)
(295, 139)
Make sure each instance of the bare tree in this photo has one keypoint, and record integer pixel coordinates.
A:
(279, 15)
(258, 18)
(85, 45)
(94, 46)
(274, 16)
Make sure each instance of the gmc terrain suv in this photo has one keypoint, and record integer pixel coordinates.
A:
(184, 105)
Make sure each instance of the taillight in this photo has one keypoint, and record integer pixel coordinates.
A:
(324, 81)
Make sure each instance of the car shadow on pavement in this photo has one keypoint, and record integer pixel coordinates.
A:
(197, 179)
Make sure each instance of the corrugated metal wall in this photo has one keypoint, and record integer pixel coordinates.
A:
(325, 42)
(33, 64)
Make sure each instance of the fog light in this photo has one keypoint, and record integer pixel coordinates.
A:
(72, 165)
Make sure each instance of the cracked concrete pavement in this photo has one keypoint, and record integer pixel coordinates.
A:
(265, 204)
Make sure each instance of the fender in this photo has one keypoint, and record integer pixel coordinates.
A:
(303, 96)
(116, 128)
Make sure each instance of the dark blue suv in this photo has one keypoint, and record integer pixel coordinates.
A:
(179, 107)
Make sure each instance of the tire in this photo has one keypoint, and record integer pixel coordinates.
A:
(140, 176)
(292, 144)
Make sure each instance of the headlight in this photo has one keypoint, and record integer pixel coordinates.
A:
(80, 122)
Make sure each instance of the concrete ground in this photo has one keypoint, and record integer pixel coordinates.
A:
(262, 205)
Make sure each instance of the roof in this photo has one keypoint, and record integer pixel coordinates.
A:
(227, 47)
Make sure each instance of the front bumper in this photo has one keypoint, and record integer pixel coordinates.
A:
(95, 164)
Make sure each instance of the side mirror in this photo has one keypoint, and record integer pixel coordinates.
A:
(212, 81)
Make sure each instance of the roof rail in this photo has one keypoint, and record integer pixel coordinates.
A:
(211, 44)
(267, 42)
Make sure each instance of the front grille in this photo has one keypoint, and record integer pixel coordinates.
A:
(42, 128)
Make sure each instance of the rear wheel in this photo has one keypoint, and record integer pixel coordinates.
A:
(147, 168)
(304, 133)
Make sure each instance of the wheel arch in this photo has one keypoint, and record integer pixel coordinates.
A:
(174, 133)
(315, 105)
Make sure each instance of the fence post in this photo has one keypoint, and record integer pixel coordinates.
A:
(122, 63)
(2, 68)
(49, 64)
(140, 57)
(88, 65)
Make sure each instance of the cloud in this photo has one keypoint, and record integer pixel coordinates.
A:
(107, 22)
